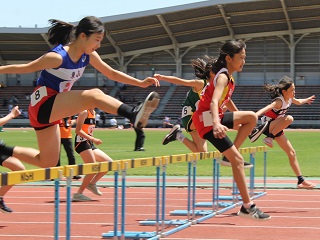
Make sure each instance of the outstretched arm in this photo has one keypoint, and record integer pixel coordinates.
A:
(48, 60)
(119, 76)
(15, 112)
(275, 104)
(197, 84)
(308, 100)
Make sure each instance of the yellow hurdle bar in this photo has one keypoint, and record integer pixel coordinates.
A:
(17, 177)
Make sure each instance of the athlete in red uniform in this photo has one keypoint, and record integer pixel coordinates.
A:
(212, 122)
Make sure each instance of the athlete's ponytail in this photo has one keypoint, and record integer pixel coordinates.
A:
(61, 32)
(276, 90)
(203, 66)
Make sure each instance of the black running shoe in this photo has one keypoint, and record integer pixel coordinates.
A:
(172, 135)
(142, 111)
(76, 177)
(253, 212)
(226, 162)
(3, 207)
(257, 131)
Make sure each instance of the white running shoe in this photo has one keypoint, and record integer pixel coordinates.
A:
(93, 188)
(142, 111)
(78, 197)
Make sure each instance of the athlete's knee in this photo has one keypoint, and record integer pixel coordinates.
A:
(251, 117)
(93, 93)
(289, 118)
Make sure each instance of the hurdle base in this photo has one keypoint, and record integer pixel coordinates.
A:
(165, 222)
(210, 204)
(185, 212)
(129, 235)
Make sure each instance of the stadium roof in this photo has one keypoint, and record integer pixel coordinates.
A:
(179, 27)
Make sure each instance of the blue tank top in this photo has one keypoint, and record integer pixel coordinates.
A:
(61, 79)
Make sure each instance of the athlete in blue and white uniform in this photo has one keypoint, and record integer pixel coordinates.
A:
(53, 100)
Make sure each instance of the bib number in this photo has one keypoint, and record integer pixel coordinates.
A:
(207, 119)
(186, 111)
(37, 95)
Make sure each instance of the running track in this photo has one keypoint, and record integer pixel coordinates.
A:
(295, 213)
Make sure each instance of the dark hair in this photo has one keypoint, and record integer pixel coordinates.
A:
(276, 90)
(203, 66)
(60, 32)
(229, 48)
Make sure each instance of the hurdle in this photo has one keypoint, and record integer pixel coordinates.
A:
(120, 169)
(36, 175)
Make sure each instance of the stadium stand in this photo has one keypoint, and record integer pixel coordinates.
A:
(172, 97)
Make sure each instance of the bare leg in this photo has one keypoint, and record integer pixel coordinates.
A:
(49, 149)
(14, 165)
(236, 160)
(100, 156)
(286, 146)
(279, 124)
(245, 121)
(197, 144)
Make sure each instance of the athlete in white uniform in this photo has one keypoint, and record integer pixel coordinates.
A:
(276, 120)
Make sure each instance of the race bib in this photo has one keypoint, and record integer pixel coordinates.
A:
(186, 111)
(37, 95)
(80, 139)
(207, 119)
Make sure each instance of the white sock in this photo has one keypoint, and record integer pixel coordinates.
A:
(180, 137)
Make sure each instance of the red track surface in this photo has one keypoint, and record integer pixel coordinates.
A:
(295, 215)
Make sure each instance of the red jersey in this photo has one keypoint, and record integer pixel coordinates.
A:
(203, 110)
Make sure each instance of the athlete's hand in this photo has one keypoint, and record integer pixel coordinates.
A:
(97, 141)
(149, 81)
(311, 99)
(219, 131)
(15, 112)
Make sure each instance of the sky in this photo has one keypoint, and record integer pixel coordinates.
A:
(31, 13)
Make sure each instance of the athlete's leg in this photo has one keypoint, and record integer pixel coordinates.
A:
(75, 101)
(197, 144)
(245, 121)
(49, 148)
(14, 165)
(280, 124)
(286, 146)
(100, 156)
(87, 157)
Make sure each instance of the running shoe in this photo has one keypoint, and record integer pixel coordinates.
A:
(257, 131)
(93, 188)
(268, 141)
(172, 135)
(253, 212)
(78, 197)
(3, 207)
(142, 111)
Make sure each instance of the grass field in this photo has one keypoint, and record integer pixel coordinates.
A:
(119, 144)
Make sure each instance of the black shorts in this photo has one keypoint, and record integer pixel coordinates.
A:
(82, 146)
(267, 131)
(224, 143)
(3, 158)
